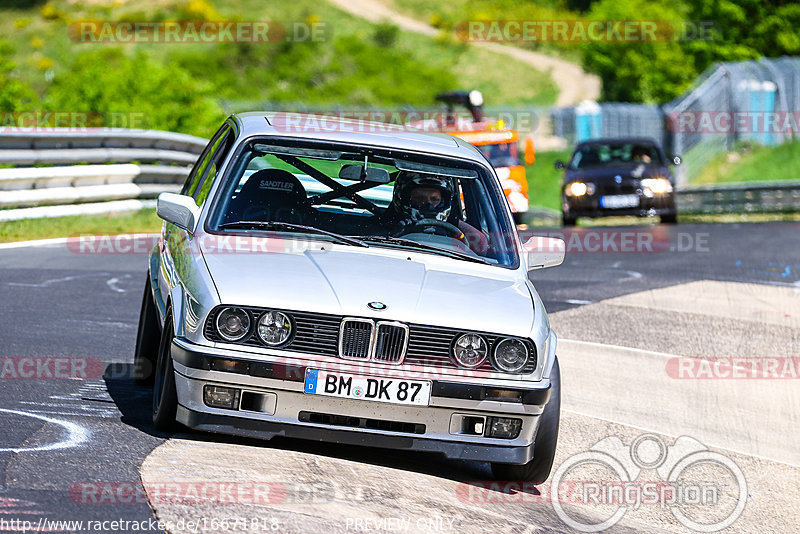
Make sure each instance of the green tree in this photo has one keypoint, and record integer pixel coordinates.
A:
(648, 71)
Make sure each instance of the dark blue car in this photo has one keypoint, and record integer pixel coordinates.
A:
(609, 177)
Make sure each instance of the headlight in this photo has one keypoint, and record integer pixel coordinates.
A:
(510, 355)
(657, 185)
(274, 328)
(233, 324)
(578, 189)
(470, 350)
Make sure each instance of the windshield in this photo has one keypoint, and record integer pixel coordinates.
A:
(366, 197)
(501, 154)
(615, 154)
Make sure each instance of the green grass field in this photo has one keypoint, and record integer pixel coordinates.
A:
(144, 221)
(355, 63)
(544, 180)
(756, 164)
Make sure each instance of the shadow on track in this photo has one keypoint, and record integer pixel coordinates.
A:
(134, 403)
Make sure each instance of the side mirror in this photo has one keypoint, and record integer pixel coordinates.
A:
(357, 173)
(676, 160)
(559, 164)
(530, 151)
(544, 252)
(179, 210)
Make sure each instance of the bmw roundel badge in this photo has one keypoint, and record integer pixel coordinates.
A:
(377, 306)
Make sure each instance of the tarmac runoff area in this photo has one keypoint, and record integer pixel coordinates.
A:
(709, 362)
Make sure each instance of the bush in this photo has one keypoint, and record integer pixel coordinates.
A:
(112, 84)
(15, 95)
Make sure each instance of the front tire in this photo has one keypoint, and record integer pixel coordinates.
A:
(147, 339)
(568, 221)
(544, 449)
(165, 396)
(671, 218)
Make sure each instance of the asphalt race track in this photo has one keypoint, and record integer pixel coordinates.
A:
(634, 326)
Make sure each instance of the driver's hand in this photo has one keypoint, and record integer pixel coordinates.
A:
(476, 239)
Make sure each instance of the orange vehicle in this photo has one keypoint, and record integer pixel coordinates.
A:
(498, 143)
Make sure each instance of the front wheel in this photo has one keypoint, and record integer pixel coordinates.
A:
(568, 221)
(148, 337)
(671, 218)
(544, 449)
(165, 396)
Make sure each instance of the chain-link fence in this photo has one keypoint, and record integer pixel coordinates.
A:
(591, 120)
(749, 101)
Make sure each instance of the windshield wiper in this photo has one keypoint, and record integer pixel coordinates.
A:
(291, 227)
(422, 246)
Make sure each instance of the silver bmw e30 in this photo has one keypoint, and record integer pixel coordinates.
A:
(351, 282)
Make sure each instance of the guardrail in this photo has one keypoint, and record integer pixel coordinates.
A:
(64, 172)
(755, 197)
(78, 185)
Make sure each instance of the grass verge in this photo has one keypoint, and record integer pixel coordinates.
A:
(544, 180)
(754, 164)
(143, 221)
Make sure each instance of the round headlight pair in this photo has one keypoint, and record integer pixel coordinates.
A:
(273, 327)
(471, 350)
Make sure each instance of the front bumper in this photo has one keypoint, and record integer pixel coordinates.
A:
(288, 411)
(589, 206)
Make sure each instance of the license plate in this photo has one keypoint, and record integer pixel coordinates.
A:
(619, 201)
(392, 390)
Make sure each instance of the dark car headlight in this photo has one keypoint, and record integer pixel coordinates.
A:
(233, 323)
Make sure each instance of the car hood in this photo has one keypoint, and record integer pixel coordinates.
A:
(416, 288)
(601, 175)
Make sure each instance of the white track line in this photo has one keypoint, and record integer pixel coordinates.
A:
(60, 241)
(77, 434)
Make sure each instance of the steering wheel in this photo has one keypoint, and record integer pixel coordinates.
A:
(452, 230)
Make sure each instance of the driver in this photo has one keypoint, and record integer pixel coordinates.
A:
(418, 196)
(641, 154)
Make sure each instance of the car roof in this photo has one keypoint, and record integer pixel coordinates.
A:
(618, 140)
(350, 131)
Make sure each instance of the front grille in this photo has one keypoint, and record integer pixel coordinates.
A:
(394, 343)
(390, 342)
(627, 187)
(355, 339)
(360, 422)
